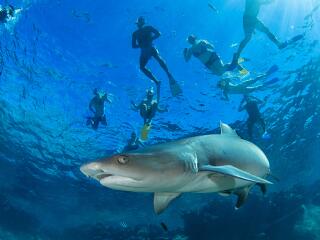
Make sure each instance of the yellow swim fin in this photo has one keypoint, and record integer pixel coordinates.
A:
(241, 60)
(243, 71)
(145, 131)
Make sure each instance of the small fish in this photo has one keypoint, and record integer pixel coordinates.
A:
(164, 226)
(213, 8)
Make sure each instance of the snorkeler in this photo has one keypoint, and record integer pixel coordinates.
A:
(148, 108)
(96, 106)
(246, 87)
(134, 143)
(6, 13)
(252, 23)
(143, 38)
(250, 104)
(204, 51)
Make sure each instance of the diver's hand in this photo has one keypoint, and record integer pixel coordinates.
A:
(133, 105)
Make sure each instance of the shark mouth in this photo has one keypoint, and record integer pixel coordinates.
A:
(102, 175)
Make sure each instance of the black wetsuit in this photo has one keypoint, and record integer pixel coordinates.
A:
(132, 145)
(3, 16)
(252, 23)
(254, 116)
(250, 17)
(143, 39)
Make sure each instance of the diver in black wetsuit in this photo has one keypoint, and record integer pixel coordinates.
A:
(148, 107)
(252, 23)
(134, 143)
(96, 106)
(6, 13)
(250, 104)
(143, 39)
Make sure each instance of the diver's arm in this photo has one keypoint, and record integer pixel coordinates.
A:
(187, 54)
(156, 33)
(134, 41)
(226, 96)
(258, 100)
(135, 106)
(162, 110)
(241, 107)
(107, 99)
(140, 143)
(206, 44)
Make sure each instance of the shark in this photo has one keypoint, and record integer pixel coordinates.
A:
(217, 163)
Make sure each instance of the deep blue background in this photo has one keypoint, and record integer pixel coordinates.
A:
(53, 60)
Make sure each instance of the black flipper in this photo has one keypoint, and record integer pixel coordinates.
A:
(242, 197)
(263, 188)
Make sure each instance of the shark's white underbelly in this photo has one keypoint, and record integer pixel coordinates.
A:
(204, 184)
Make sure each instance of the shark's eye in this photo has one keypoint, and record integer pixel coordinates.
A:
(123, 159)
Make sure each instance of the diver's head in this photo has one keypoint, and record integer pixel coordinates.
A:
(192, 39)
(98, 93)
(140, 21)
(133, 135)
(222, 83)
(150, 94)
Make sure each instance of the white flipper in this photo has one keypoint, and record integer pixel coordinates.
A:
(162, 200)
(227, 130)
(234, 172)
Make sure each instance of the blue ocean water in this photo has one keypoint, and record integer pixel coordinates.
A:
(57, 51)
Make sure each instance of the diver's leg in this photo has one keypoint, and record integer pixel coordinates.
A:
(156, 55)
(250, 124)
(248, 90)
(262, 28)
(262, 123)
(104, 120)
(249, 25)
(144, 58)
(247, 83)
(95, 124)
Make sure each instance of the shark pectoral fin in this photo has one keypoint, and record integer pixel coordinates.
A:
(162, 200)
(225, 193)
(227, 130)
(242, 196)
(234, 172)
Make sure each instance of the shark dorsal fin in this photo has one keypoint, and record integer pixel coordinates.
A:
(227, 130)
(162, 200)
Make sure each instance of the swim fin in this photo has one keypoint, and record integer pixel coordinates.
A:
(174, 87)
(242, 70)
(145, 131)
(291, 41)
(272, 81)
(272, 69)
